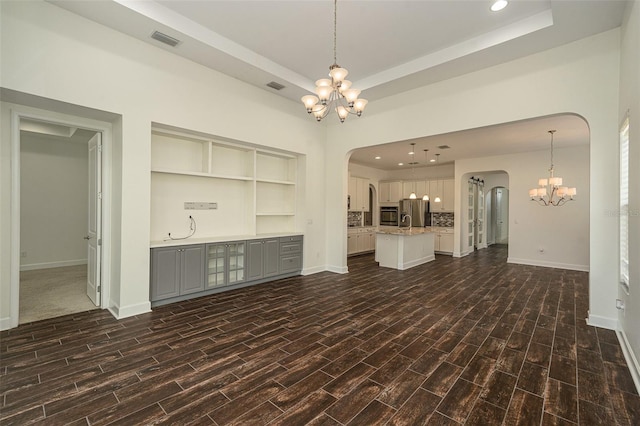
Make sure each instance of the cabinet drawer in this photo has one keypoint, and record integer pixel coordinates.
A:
(290, 263)
(291, 238)
(291, 244)
(293, 247)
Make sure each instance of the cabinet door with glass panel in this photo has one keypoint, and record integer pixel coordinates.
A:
(225, 264)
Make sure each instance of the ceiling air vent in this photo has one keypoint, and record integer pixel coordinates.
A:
(275, 85)
(163, 38)
(444, 147)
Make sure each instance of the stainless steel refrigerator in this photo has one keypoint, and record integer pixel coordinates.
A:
(418, 210)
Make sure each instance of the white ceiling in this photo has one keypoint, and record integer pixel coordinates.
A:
(517, 137)
(387, 46)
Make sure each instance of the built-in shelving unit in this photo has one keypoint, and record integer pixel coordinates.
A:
(255, 189)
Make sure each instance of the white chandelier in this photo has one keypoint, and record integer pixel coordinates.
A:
(335, 93)
(550, 191)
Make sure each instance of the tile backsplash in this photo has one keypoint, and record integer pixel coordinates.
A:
(354, 219)
(442, 219)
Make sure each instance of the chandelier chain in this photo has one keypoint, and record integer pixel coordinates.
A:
(552, 132)
(335, 26)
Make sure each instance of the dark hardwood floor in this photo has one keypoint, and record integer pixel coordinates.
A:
(469, 341)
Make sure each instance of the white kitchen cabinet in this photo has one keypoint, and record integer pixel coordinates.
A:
(362, 194)
(407, 188)
(358, 194)
(435, 190)
(390, 192)
(352, 243)
(446, 243)
(361, 240)
(443, 241)
(371, 236)
(421, 188)
(449, 195)
(444, 189)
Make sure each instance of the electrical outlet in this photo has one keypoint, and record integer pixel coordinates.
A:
(197, 205)
(23, 254)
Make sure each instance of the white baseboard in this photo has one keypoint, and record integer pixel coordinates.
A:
(47, 265)
(337, 269)
(128, 311)
(416, 262)
(314, 270)
(546, 264)
(5, 323)
(602, 322)
(630, 357)
(460, 254)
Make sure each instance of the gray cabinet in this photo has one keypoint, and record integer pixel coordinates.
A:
(184, 272)
(290, 254)
(225, 264)
(177, 271)
(263, 258)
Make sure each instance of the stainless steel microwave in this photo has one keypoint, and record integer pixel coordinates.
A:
(389, 216)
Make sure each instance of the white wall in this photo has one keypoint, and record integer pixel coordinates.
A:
(143, 84)
(630, 101)
(562, 232)
(580, 77)
(54, 202)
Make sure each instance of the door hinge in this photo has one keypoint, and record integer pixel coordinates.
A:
(99, 241)
(99, 195)
(99, 288)
(99, 148)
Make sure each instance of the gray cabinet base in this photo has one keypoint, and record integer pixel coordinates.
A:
(222, 289)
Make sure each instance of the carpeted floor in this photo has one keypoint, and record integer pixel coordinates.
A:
(50, 293)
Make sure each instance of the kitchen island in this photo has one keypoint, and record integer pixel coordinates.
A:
(403, 248)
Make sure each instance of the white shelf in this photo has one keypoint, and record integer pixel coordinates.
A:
(201, 174)
(277, 182)
(255, 189)
(276, 214)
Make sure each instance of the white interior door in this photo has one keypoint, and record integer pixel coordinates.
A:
(94, 235)
(471, 201)
(480, 217)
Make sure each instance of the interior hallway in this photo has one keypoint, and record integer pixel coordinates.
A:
(456, 341)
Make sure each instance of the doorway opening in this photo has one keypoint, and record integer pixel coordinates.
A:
(60, 219)
(498, 207)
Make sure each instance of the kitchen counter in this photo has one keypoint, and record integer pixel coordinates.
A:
(404, 231)
(403, 248)
(205, 240)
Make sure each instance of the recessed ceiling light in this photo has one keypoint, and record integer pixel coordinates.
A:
(411, 153)
(400, 164)
(432, 160)
(499, 5)
(377, 157)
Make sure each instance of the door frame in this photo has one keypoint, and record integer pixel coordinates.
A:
(19, 112)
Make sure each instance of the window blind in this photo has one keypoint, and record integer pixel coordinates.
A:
(624, 203)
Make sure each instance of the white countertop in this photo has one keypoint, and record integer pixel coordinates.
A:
(205, 240)
(405, 231)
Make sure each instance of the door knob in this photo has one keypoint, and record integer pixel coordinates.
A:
(88, 237)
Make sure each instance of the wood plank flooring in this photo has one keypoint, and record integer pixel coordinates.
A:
(472, 341)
